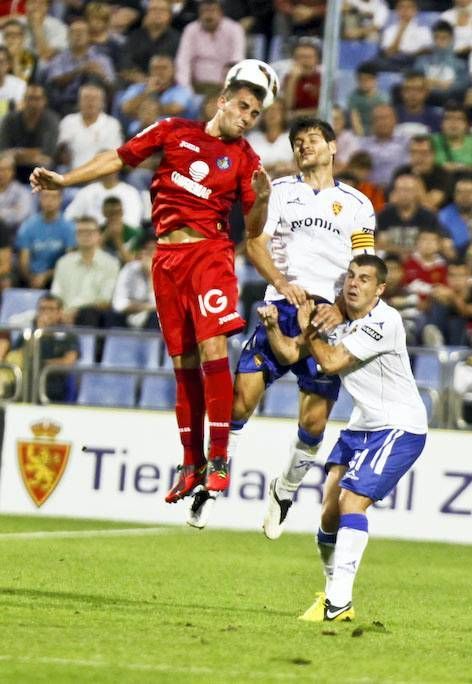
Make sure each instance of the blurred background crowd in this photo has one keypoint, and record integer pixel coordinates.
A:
(79, 77)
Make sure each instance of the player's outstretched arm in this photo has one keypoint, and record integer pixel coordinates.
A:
(102, 164)
(286, 349)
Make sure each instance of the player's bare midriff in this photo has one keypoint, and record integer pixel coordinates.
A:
(183, 234)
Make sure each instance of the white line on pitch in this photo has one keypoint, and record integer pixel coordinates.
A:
(77, 534)
(159, 667)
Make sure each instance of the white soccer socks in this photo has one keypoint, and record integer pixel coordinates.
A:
(302, 458)
(351, 542)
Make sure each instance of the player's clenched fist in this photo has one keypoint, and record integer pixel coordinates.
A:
(269, 315)
(43, 179)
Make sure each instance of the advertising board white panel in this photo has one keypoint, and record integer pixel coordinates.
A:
(118, 465)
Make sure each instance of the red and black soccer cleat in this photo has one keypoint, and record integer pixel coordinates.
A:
(217, 479)
(189, 476)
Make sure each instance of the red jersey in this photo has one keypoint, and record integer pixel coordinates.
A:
(199, 176)
(12, 7)
(420, 277)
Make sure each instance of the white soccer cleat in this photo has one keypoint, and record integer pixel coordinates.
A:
(201, 507)
(274, 521)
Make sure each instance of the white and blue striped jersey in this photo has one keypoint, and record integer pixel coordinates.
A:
(382, 387)
(315, 233)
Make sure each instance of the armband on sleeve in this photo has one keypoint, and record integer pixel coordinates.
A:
(363, 243)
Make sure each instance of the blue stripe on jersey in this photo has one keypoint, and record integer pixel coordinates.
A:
(286, 182)
(350, 193)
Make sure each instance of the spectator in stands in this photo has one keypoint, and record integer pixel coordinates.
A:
(302, 84)
(405, 302)
(42, 239)
(450, 315)
(85, 279)
(404, 39)
(133, 297)
(437, 182)
(425, 267)
(46, 35)
(386, 147)
(155, 36)
(360, 166)
(16, 203)
(72, 68)
(207, 46)
(270, 141)
(126, 16)
(414, 116)
(446, 74)
(364, 98)
(173, 99)
(403, 217)
(257, 19)
(364, 19)
(453, 146)
(23, 61)
(460, 18)
(55, 348)
(118, 239)
(90, 130)
(98, 16)
(303, 17)
(12, 88)
(89, 200)
(30, 134)
(457, 216)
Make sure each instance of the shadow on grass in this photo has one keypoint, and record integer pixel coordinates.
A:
(97, 601)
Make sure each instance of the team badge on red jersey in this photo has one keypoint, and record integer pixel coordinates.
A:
(223, 163)
(42, 460)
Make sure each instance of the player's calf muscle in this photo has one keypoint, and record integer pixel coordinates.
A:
(248, 390)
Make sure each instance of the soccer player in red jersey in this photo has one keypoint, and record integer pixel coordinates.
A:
(205, 167)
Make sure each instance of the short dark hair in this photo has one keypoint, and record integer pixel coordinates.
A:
(443, 26)
(234, 85)
(305, 123)
(374, 261)
(393, 257)
(49, 297)
(422, 138)
(367, 68)
(112, 201)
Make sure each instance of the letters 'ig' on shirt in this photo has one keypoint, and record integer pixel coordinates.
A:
(199, 176)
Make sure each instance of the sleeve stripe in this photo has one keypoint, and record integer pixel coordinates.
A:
(362, 240)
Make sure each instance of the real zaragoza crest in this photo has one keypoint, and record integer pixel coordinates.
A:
(337, 207)
(42, 460)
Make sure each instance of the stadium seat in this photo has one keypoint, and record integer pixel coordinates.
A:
(428, 18)
(281, 399)
(342, 409)
(158, 392)
(427, 370)
(17, 300)
(121, 351)
(354, 52)
(100, 389)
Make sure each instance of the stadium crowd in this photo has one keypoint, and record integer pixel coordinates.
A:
(80, 77)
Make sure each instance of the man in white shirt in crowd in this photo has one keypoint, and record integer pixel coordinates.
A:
(12, 88)
(89, 201)
(404, 39)
(384, 437)
(134, 295)
(90, 130)
(85, 279)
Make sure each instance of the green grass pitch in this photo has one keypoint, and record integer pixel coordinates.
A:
(173, 605)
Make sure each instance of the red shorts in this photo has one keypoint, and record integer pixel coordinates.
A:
(196, 292)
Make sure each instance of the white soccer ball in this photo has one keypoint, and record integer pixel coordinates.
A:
(259, 73)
